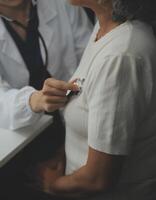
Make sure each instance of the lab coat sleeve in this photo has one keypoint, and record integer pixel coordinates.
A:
(14, 107)
(81, 28)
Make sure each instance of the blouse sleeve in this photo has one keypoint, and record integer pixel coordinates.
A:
(117, 101)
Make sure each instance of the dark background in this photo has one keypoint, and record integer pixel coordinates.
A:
(90, 15)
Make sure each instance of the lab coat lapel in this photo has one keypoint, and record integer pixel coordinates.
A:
(7, 45)
(46, 18)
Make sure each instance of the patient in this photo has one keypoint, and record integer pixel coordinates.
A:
(110, 123)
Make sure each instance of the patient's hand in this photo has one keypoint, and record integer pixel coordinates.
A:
(48, 172)
(42, 176)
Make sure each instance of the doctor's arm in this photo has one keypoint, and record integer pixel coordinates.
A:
(97, 175)
(23, 107)
(14, 106)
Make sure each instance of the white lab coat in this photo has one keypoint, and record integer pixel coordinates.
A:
(66, 31)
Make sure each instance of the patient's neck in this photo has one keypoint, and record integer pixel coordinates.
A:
(104, 15)
(106, 25)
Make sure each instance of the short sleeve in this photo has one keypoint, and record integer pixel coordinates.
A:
(115, 102)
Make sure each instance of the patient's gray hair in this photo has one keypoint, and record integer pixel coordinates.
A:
(123, 10)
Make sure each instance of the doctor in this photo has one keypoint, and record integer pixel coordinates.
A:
(38, 39)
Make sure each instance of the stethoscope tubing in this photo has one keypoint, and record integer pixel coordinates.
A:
(38, 32)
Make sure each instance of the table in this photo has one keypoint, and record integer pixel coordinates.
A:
(12, 142)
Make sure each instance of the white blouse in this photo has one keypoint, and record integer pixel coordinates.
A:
(116, 111)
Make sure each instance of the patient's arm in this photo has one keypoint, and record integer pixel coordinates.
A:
(97, 175)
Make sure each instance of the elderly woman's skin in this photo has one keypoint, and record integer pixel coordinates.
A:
(103, 13)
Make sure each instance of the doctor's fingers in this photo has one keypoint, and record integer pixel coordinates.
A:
(61, 85)
(53, 107)
(49, 91)
(54, 100)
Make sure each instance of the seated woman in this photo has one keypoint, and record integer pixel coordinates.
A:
(110, 124)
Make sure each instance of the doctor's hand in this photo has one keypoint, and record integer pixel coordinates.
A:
(52, 96)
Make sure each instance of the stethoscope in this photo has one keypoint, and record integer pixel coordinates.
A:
(25, 28)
